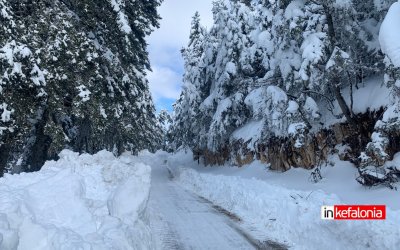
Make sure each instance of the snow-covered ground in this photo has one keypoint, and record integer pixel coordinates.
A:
(182, 220)
(168, 201)
(78, 202)
(285, 207)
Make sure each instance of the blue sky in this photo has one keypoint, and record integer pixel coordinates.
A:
(165, 45)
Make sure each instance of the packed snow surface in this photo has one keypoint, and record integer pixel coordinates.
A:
(183, 220)
(103, 202)
(285, 207)
(77, 202)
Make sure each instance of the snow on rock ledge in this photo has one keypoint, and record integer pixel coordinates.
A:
(389, 35)
(77, 202)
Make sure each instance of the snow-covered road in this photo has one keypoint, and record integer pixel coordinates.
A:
(181, 220)
(197, 207)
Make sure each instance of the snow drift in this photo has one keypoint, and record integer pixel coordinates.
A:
(291, 216)
(286, 209)
(77, 202)
(389, 36)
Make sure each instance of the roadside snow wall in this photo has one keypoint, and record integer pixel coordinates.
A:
(289, 216)
(77, 202)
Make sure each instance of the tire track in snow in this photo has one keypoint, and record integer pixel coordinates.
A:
(181, 220)
(233, 222)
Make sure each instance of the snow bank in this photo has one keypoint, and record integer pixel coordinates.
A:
(389, 35)
(77, 202)
(372, 94)
(291, 216)
(250, 133)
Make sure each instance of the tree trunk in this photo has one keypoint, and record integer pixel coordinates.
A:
(342, 103)
(331, 27)
(335, 79)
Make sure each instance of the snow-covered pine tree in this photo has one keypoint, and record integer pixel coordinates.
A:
(232, 63)
(187, 126)
(164, 120)
(73, 75)
(209, 57)
(386, 133)
(278, 63)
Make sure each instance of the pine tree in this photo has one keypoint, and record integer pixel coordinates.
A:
(81, 76)
(186, 121)
(277, 63)
(386, 129)
(164, 122)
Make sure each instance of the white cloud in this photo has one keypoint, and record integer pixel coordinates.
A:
(176, 19)
(165, 56)
(164, 83)
(165, 44)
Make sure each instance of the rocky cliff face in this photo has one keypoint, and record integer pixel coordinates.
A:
(283, 153)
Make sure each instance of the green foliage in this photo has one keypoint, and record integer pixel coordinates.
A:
(72, 74)
(274, 63)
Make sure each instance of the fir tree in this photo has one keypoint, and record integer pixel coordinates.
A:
(73, 76)
(275, 63)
